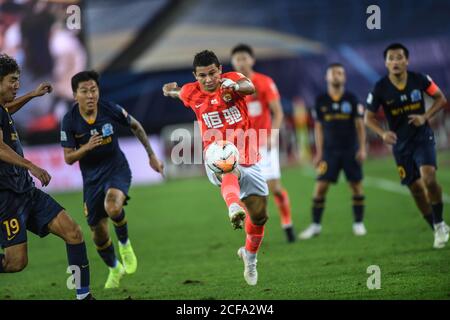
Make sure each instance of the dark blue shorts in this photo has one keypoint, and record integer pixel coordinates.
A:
(410, 160)
(334, 161)
(94, 195)
(31, 211)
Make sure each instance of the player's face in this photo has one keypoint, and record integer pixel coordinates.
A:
(396, 61)
(208, 77)
(335, 76)
(242, 62)
(9, 86)
(87, 95)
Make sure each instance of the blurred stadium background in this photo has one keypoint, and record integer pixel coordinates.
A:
(138, 45)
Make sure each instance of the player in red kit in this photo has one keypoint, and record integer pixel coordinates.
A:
(266, 116)
(218, 101)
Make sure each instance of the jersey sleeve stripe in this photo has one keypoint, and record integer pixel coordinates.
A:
(432, 89)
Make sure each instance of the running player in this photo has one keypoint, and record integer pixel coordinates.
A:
(266, 116)
(218, 101)
(401, 94)
(22, 206)
(89, 135)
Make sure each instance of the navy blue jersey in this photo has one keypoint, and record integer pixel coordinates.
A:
(13, 178)
(100, 162)
(338, 120)
(399, 104)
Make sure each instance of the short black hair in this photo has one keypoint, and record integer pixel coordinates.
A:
(204, 59)
(335, 65)
(395, 46)
(7, 66)
(243, 48)
(84, 76)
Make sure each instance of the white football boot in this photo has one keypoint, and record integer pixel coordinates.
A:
(250, 272)
(312, 231)
(237, 215)
(359, 229)
(441, 235)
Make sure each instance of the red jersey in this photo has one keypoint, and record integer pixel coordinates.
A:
(258, 103)
(222, 115)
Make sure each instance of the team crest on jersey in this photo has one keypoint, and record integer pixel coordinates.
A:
(107, 130)
(416, 95)
(346, 107)
(227, 97)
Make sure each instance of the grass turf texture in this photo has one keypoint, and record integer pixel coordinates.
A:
(186, 247)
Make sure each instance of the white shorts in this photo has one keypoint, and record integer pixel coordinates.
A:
(270, 163)
(251, 181)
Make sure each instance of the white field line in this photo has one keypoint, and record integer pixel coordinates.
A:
(380, 183)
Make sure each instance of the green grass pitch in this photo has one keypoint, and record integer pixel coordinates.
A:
(186, 247)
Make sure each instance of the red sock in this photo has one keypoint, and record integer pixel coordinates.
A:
(255, 235)
(284, 207)
(230, 188)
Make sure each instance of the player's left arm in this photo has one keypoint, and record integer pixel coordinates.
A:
(358, 113)
(277, 118)
(361, 154)
(439, 101)
(18, 103)
(140, 133)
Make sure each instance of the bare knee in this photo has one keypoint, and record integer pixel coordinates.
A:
(417, 190)
(73, 234)
(113, 205)
(257, 209)
(430, 183)
(113, 209)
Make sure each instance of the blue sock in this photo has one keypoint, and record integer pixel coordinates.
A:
(2, 256)
(106, 252)
(121, 227)
(438, 208)
(77, 256)
(317, 210)
(358, 208)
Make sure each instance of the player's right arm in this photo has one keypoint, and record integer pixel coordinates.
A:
(72, 155)
(318, 137)
(18, 103)
(8, 155)
(172, 90)
(370, 119)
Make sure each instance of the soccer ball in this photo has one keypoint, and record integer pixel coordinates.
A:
(221, 156)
